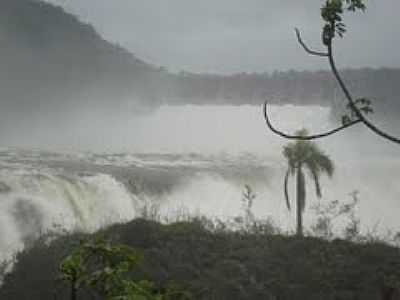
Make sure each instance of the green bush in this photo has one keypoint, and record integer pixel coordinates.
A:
(186, 260)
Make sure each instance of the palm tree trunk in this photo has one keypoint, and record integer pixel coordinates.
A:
(299, 231)
(74, 290)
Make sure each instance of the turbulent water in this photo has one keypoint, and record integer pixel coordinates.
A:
(191, 159)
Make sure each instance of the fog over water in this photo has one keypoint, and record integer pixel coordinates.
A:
(86, 140)
(102, 169)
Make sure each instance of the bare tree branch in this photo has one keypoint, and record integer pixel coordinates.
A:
(331, 13)
(360, 117)
(306, 48)
(301, 137)
(352, 104)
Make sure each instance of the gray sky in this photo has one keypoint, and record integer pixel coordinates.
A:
(228, 36)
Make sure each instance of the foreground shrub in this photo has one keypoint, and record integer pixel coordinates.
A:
(222, 264)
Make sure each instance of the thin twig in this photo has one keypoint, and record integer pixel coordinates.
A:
(306, 48)
(360, 117)
(302, 137)
(352, 104)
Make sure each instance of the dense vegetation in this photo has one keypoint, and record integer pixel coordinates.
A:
(212, 262)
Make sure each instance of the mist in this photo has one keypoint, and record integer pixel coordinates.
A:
(229, 37)
(364, 162)
(142, 123)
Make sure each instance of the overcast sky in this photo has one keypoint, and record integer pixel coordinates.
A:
(229, 36)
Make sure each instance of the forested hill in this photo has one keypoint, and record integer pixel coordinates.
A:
(51, 59)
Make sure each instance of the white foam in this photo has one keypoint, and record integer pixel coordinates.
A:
(49, 201)
(220, 135)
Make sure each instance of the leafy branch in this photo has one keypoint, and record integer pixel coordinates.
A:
(102, 268)
(332, 15)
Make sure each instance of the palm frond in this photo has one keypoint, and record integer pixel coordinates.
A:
(285, 187)
(325, 164)
(315, 176)
(289, 153)
(309, 155)
(318, 160)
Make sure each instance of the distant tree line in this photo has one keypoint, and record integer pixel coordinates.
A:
(51, 58)
(298, 87)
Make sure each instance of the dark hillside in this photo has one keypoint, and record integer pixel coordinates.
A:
(226, 265)
(49, 58)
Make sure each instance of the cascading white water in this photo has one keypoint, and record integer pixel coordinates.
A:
(198, 158)
(35, 201)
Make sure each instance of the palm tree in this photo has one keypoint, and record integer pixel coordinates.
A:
(307, 155)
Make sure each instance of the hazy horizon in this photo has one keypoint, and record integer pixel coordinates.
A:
(95, 140)
(228, 37)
